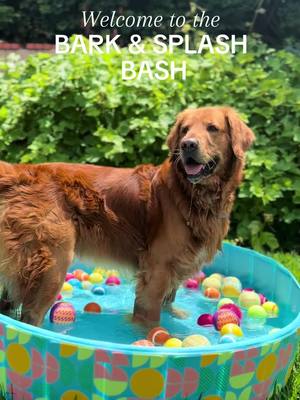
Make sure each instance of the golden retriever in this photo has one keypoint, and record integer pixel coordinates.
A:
(166, 220)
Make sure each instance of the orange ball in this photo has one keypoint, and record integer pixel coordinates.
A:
(212, 293)
(84, 276)
(77, 273)
(92, 308)
(158, 336)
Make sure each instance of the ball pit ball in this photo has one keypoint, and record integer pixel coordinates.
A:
(69, 276)
(96, 277)
(199, 277)
(233, 307)
(67, 287)
(112, 281)
(205, 320)
(248, 299)
(224, 317)
(191, 284)
(98, 290)
(228, 338)
(158, 336)
(273, 330)
(248, 289)
(211, 283)
(77, 273)
(75, 282)
(173, 342)
(143, 342)
(263, 298)
(195, 341)
(231, 329)
(212, 293)
(231, 287)
(224, 301)
(84, 277)
(257, 312)
(217, 276)
(62, 313)
(86, 285)
(59, 297)
(92, 308)
(271, 308)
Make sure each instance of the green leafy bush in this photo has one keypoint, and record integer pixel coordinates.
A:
(77, 108)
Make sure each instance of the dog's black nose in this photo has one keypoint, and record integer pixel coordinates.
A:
(189, 145)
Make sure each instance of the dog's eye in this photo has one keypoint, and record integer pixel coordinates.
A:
(184, 129)
(212, 128)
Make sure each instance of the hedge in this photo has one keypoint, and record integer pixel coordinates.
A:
(76, 108)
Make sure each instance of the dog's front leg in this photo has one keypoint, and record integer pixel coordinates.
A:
(174, 311)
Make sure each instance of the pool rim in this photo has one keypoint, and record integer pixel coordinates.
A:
(287, 331)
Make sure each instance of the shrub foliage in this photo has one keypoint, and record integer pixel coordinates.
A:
(77, 108)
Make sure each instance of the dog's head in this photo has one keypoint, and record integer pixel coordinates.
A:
(204, 141)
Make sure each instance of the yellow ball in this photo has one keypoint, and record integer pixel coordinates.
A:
(173, 342)
(231, 329)
(216, 276)
(86, 285)
(113, 272)
(195, 341)
(67, 287)
(248, 299)
(271, 308)
(231, 287)
(223, 301)
(211, 283)
(96, 277)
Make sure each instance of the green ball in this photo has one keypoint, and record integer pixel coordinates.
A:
(225, 300)
(257, 312)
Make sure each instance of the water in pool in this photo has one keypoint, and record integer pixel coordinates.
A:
(113, 324)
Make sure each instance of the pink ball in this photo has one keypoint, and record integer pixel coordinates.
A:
(62, 313)
(199, 277)
(112, 281)
(69, 276)
(224, 317)
(233, 307)
(263, 298)
(248, 289)
(205, 320)
(191, 284)
(59, 297)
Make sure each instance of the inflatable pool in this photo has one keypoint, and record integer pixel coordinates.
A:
(94, 358)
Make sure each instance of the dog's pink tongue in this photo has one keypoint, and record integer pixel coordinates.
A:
(193, 169)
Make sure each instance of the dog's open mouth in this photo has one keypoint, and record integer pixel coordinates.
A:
(196, 170)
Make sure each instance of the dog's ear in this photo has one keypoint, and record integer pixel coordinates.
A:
(174, 134)
(240, 134)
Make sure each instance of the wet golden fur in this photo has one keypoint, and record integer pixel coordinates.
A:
(149, 216)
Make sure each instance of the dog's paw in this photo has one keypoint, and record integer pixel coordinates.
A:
(178, 312)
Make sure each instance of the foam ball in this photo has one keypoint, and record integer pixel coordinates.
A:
(257, 312)
(199, 277)
(223, 317)
(77, 273)
(211, 283)
(212, 293)
(143, 342)
(98, 290)
(112, 281)
(195, 341)
(216, 276)
(205, 320)
(173, 342)
(96, 277)
(233, 307)
(224, 301)
(263, 298)
(271, 308)
(92, 308)
(62, 313)
(231, 287)
(231, 329)
(191, 284)
(69, 276)
(248, 299)
(86, 285)
(158, 336)
(229, 338)
(59, 297)
(67, 287)
(75, 282)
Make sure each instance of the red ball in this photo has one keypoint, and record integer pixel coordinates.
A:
(158, 336)
(233, 307)
(191, 284)
(224, 317)
(205, 320)
(92, 308)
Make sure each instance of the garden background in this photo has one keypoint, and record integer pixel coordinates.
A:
(77, 108)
